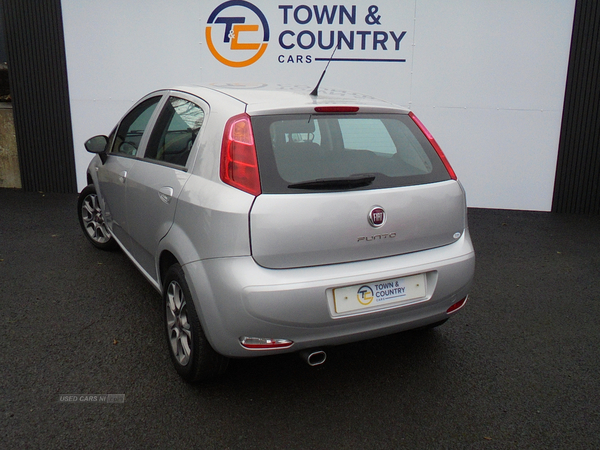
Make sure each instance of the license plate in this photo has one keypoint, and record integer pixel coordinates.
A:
(379, 293)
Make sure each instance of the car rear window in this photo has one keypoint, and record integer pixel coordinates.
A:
(386, 150)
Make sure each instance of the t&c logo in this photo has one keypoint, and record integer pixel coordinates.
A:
(365, 295)
(237, 33)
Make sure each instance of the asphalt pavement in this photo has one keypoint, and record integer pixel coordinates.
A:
(84, 362)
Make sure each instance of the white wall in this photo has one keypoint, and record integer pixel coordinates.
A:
(486, 77)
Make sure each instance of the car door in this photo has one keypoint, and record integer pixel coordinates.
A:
(155, 182)
(113, 174)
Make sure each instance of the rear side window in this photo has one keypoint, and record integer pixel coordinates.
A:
(175, 132)
(388, 150)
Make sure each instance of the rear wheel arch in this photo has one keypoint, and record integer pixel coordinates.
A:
(167, 259)
(192, 355)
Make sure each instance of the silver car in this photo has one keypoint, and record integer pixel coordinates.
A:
(274, 221)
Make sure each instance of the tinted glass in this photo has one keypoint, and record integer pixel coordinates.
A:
(387, 149)
(175, 132)
(131, 129)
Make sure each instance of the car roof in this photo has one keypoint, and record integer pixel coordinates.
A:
(267, 98)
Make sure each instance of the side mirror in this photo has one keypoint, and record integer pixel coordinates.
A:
(97, 145)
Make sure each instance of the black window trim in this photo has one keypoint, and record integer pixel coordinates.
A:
(274, 184)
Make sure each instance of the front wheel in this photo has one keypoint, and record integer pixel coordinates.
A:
(91, 219)
(191, 353)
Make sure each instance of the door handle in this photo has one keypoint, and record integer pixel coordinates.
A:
(123, 176)
(165, 194)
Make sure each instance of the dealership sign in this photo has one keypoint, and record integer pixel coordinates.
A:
(238, 33)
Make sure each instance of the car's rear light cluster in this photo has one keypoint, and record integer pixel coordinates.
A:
(239, 165)
(435, 145)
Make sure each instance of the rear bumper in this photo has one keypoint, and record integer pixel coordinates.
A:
(236, 297)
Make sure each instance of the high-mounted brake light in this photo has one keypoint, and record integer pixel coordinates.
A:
(239, 166)
(435, 145)
(336, 109)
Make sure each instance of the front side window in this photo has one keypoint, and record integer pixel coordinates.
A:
(365, 151)
(132, 127)
(176, 129)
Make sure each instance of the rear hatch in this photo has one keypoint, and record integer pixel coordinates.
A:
(340, 187)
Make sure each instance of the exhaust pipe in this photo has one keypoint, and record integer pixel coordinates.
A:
(313, 357)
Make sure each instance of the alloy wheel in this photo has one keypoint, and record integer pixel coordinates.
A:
(178, 326)
(93, 220)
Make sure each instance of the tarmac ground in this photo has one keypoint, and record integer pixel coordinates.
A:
(518, 367)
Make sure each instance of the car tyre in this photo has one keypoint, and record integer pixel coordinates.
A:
(191, 353)
(91, 219)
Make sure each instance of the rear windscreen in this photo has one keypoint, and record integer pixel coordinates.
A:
(312, 152)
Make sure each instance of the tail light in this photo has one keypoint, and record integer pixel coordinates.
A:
(435, 145)
(239, 166)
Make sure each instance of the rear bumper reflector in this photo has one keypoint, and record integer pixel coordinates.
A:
(457, 305)
(254, 343)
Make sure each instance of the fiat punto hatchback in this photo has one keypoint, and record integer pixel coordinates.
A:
(274, 221)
